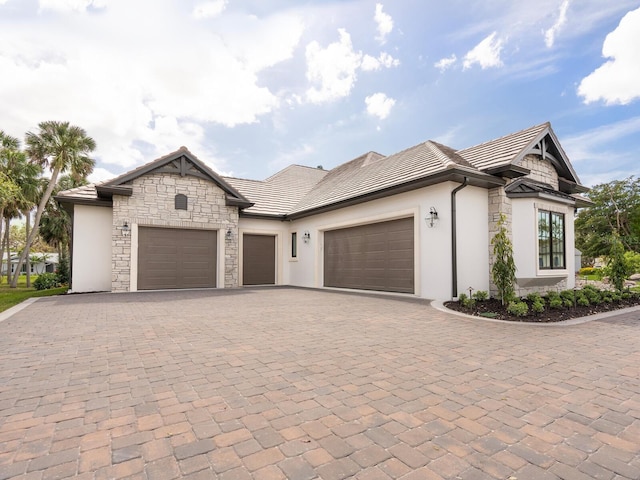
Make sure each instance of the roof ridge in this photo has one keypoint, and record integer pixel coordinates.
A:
(513, 134)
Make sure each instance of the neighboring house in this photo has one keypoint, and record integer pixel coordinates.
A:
(40, 263)
(417, 222)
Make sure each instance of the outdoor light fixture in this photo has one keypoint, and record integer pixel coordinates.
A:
(229, 234)
(306, 236)
(432, 217)
(125, 229)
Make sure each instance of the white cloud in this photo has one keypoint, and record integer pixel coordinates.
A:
(71, 5)
(332, 70)
(446, 63)
(616, 81)
(209, 9)
(379, 105)
(384, 23)
(550, 34)
(486, 53)
(150, 88)
(385, 60)
(589, 145)
(100, 174)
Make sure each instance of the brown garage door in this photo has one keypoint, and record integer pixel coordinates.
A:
(258, 259)
(174, 258)
(378, 256)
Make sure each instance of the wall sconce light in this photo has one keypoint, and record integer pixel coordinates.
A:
(306, 236)
(126, 229)
(432, 217)
(229, 234)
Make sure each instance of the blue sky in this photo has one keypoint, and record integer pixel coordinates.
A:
(253, 86)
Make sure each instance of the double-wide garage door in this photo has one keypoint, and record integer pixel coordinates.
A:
(378, 256)
(176, 258)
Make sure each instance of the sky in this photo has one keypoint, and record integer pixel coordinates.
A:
(252, 86)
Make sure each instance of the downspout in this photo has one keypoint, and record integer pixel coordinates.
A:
(454, 239)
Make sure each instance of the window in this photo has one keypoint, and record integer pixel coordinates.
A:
(294, 244)
(551, 254)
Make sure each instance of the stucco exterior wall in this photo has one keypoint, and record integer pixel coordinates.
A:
(152, 204)
(433, 269)
(91, 262)
(525, 246)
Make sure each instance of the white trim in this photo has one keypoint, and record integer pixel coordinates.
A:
(133, 261)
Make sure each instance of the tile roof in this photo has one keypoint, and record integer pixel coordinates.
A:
(503, 150)
(299, 190)
(278, 194)
(85, 192)
(373, 172)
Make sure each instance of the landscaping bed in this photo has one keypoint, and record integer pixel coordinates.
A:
(601, 301)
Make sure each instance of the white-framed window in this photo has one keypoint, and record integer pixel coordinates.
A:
(551, 240)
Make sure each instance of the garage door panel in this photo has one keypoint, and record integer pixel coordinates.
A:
(258, 259)
(176, 258)
(378, 256)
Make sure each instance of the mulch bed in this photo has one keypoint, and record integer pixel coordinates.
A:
(492, 308)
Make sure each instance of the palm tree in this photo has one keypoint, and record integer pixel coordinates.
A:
(55, 224)
(61, 148)
(10, 194)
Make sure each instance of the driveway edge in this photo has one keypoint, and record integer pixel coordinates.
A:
(439, 305)
(16, 308)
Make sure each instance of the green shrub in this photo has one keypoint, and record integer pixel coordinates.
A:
(518, 308)
(46, 281)
(554, 299)
(537, 306)
(626, 295)
(465, 301)
(63, 269)
(593, 294)
(583, 301)
(534, 297)
(632, 260)
(481, 295)
(568, 295)
(585, 271)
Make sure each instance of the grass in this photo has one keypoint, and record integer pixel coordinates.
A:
(10, 297)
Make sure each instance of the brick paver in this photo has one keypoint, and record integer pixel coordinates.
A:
(302, 384)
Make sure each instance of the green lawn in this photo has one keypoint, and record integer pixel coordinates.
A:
(13, 296)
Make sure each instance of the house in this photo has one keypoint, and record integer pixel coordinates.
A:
(40, 263)
(417, 222)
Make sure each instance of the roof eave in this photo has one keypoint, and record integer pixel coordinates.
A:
(508, 171)
(94, 202)
(542, 195)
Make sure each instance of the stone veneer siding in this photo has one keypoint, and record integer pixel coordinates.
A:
(152, 204)
(499, 203)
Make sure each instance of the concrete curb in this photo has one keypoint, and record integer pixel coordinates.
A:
(16, 308)
(438, 305)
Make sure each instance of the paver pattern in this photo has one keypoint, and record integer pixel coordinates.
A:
(301, 384)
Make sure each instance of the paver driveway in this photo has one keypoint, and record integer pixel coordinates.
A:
(302, 384)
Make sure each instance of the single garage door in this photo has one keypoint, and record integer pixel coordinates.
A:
(378, 256)
(175, 258)
(258, 259)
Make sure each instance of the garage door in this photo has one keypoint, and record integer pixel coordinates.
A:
(258, 259)
(377, 256)
(174, 258)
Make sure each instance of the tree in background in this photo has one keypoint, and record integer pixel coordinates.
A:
(55, 224)
(616, 263)
(503, 271)
(616, 209)
(61, 148)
